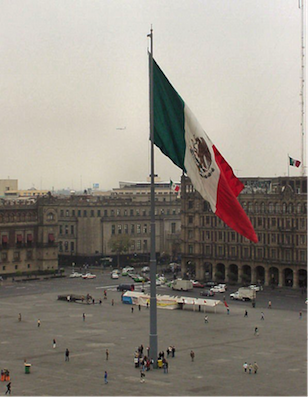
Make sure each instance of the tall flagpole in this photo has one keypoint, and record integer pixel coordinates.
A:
(153, 266)
(302, 6)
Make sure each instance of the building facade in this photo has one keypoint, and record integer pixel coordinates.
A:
(277, 208)
(88, 222)
(28, 234)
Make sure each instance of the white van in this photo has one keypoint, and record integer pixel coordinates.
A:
(182, 285)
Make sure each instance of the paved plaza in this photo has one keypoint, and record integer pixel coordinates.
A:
(221, 347)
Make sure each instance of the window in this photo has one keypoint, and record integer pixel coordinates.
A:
(131, 212)
(302, 256)
(72, 246)
(126, 228)
(138, 245)
(145, 245)
(138, 228)
(273, 222)
(112, 229)
(105, 213)
(119, 229)
(273, 238)
(29, 238)
(79, 212)
(132, 229)
(190, 249)
(137, 212)
(50, 216)
(19, 239)
(51, 238)
(190, 204)
(299, 208)
(92, 212)
(98, 213)
(62, 213)
(290, 208)
(29, 255)
(66, 246)
(4, 240)
(112, 212)
(28, 266)
(173, 227)
(271, 208)
(67, 213)
(190, 234)
(145, 228)
(72, 229)
(61, 229)
(284, 208)
(190, 219)
(277, 208)
(60, 246)
(232, 251)
(73, 212)
(232, 236)
(118, 212)
(66, 229)
(16, 256)
(85, 213)
(273, 254)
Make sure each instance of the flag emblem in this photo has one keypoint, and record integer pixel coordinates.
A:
(202, 156)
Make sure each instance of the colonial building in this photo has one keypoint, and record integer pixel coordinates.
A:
(277, 208)
(87, 222)
(28, 232)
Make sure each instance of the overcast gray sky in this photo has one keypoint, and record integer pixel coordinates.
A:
(73, 72)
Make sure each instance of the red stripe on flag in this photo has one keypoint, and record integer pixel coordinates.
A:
(235, 184)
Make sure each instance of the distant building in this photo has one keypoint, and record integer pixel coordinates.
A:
(277, 208)
(28, 237)
(29, 193)
(7, 185)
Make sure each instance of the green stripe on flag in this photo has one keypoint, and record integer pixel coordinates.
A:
(169, 133)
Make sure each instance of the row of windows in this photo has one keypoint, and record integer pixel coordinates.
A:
(65, 229)
(16, 257)
(135, 229)
(257, 222)
(246, 253)
(138, 245)
(263, 208)
(119, 212)
(266, 238)
(20, 239)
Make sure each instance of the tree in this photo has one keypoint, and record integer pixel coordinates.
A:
(119, 243)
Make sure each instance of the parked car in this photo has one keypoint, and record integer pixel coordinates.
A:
(145, 269)
(89, 275)
(207, 292)
(223, 286)
(210, 284)
(75, 274)
(126, 270)
(137, 278)
(217, 288)
(114, 275)
(197, 284)
(126, 287)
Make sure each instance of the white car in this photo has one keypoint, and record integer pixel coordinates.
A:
(75, 274)
(114, 275)
(89, 275)
(145, 269)
(218, 288)
(223, 286)
(127, 270)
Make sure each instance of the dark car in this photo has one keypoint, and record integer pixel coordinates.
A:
(207, 292)
(126, 287)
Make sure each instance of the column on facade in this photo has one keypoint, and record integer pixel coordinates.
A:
(295, 278)
(239, 274)
(280, 277)
(253, 275)
(266, 276)
(199, 270)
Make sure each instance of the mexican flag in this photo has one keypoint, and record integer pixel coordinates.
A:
(180, 137)
(174, 186)
(294, 163)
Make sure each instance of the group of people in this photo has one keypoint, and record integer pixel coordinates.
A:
(249, 368)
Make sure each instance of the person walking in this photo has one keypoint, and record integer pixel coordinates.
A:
(142, 376)
(132, 310)
(107, 354)
(246, 313)
(255, 367)
(228, 311)
(256, 331)
(38, 323)
(8, 388)
(173, 351)
(245, 366)
(112, 302)
(250, 368)
(269, 304)
(139, 307)
(54, 344)
(19, 317)
(67, 355)
(192, 355)
(300, 315)
(148, 351)
(83, 317)
(105, 377)
(262, 316)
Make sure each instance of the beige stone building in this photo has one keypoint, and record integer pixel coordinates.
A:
(277, 208)
(28, 237)
(7, 185)
(87, 222)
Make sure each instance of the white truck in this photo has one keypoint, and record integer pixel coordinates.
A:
(182, 285)
(244, 294)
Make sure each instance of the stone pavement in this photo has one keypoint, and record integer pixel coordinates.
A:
(221, 347)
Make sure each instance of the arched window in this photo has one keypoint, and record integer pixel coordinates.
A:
(277, 208)
(271, 208)
(257, 209)
(50, 216)
(290, 208)
(262, 208)
(284, 208)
